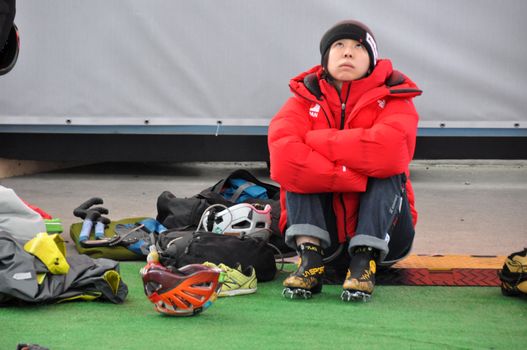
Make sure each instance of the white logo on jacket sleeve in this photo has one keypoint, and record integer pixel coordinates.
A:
(381, 103)
(313, 111)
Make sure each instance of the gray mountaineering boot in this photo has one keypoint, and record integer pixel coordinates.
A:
(307, 279)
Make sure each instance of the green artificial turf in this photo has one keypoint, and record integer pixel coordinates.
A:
(397, 317)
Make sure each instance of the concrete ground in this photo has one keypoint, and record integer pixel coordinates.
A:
(13, 167)
(465, 207)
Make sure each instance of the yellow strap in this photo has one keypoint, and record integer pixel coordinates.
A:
(86, 297)
(41, 277)
(51, 250)
(113, 279)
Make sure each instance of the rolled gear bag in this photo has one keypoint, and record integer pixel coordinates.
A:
(513, 275)
(23, 277)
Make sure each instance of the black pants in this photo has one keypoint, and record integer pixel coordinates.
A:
(384, 219)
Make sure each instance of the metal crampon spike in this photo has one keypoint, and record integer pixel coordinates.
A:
(287, 293)
(294, 293)
(355, 295)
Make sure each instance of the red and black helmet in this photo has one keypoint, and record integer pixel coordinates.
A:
(9, 40)
(9, 51)
(181, 292)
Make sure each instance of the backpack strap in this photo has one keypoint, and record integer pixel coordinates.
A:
(240, 190)
(311, 83)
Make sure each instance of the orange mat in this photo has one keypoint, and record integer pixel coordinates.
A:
(440, 262)
(441, 270)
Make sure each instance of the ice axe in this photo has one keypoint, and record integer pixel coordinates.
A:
(91, 215)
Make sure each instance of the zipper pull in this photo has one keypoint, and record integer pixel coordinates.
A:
(342, 116)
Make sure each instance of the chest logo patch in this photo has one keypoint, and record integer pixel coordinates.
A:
(381, 103)
(314, 110)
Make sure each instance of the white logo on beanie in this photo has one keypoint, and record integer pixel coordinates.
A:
(373, 46)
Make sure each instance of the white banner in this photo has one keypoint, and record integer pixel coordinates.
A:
(175, 62)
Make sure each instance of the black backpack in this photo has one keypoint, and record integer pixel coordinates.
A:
(179, 248)
(182, 245)
(179, 213)
(185, 213)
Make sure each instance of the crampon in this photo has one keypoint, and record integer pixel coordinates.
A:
(297, 293)
(355, 295)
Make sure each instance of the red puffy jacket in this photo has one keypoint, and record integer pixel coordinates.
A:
(323, 141)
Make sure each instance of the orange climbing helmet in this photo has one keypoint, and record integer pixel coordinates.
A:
(181, 292)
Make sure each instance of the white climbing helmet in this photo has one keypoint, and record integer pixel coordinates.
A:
(243, 219)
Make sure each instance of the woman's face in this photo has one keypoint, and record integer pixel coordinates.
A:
(348, 60)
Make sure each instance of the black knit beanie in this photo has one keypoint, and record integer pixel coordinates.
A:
(349, 29)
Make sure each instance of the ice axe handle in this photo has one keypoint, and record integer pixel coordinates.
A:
(86, 229)
(99, 230)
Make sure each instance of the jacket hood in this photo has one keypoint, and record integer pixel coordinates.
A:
(383, 75)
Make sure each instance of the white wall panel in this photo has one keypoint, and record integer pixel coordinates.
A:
(175, 62)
